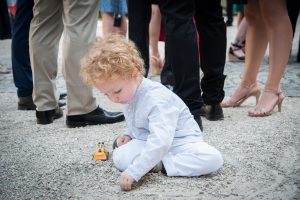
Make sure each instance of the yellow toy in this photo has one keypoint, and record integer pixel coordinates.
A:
(101, 152)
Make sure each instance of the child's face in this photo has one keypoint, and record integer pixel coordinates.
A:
(119, 90)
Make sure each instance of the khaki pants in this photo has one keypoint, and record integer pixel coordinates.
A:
(77, 20)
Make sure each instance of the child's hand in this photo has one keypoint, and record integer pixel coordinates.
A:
(126, 181)
(123, 140)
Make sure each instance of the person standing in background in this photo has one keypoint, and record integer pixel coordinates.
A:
(5, 29)
(77, 19)
(212, 42)
(293, 7)
(22, 73)
(265, 27)
(113, 14)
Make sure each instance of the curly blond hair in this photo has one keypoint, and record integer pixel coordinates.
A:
(111, 57)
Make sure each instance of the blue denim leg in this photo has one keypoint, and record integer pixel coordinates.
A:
(21, 66)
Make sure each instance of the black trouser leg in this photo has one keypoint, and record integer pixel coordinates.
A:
(212, 32)
(293, 10)
(139, 15)
(182, 50)
(5, 28)
(166, 76)
(229, 12)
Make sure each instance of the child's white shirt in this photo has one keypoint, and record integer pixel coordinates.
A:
(161, 118)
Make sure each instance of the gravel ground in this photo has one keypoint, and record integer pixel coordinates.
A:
(54, 162)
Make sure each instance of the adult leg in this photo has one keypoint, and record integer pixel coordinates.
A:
(154, 32)
(241, 33)
(80, 22)
(279, 33)
(120, 9)
(5, 28)
(280, 40)
(182, 51)
(239, 8)
(22, 73)
(193, 159)
(139, 14)
(212, 43)
(236, 50)
(45, 31)
(123, 28)
(107, 23)
(229, 12)
(293, 10)
(256, 44)
(212, 32)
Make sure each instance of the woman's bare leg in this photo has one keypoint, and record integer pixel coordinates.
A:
(256, 44)
(107, 23)
(154, 32)
(280, 41)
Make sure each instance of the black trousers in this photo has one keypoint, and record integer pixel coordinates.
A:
(139, 15)
(229, 11)
(212, 31)
(5, 28)
(182, 52)
(182, 46)
(293, 10)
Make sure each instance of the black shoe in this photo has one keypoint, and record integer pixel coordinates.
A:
(26, 103)
(62, 96)
(47, 117)
(202, 111)
(98, 116)
(212, 112)
(228, 23)
(199, 121)
(61, 103)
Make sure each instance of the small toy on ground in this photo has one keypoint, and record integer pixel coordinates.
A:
(101, 152)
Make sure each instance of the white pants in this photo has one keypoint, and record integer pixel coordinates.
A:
(192, 159)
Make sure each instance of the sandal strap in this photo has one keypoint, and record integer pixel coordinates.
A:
(237, 45)
(250, 86)
(277, 93)
(155, 58)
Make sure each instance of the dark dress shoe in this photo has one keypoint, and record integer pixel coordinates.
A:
(212, 112)
(61, 103)
(26, 103)
(228, 23)
(47, 117)
(62, 95)
(199, 121)
(96, 117)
